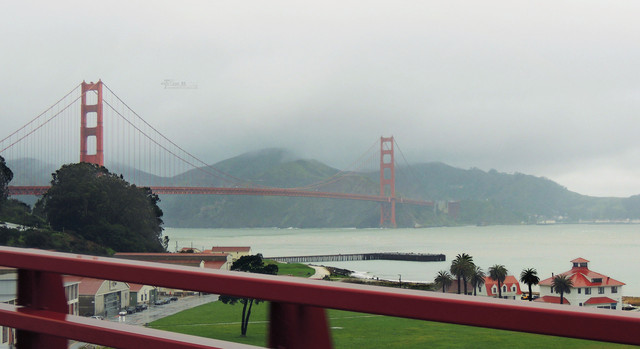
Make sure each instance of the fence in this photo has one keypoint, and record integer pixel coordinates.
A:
(297, 316)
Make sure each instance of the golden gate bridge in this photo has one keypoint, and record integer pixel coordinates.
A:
(145, 157)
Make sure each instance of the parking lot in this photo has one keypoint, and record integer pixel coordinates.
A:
(155, 312)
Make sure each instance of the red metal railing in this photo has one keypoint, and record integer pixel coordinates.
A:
(297, 317)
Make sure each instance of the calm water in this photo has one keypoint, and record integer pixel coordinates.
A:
(614, 250)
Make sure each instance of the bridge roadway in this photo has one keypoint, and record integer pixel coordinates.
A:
(39, 190)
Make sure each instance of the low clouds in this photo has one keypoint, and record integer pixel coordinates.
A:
(545, 88)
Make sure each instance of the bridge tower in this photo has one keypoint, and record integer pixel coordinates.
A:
(387, 183)
(91, 125)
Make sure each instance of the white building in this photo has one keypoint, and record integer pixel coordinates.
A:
(510, 288)
(590, 289)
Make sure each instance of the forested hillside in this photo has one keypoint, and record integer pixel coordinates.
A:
(485, 197)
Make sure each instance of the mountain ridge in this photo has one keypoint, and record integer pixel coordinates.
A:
(485, 197)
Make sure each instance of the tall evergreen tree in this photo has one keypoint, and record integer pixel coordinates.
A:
(498, 273)
(529, 277)
(6, 175)
(250, 264)
(102, 207)
(443, 279)
(561, 284)
(477, 279)
(462, 267)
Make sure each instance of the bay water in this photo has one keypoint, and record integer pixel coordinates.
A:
(612, 249)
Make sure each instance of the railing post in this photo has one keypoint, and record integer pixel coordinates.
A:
(43, 291)
(298, 326)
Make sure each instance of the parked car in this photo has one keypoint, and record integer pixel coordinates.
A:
(97, 317)
(141, 307)
(131, 310)
(174, 298)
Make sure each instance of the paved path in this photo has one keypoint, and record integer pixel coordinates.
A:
(321, 272)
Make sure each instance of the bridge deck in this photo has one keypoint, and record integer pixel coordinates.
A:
(39, 190)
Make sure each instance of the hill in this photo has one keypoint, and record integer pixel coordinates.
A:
(485, 197)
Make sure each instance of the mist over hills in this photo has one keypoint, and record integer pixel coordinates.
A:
(485, 197)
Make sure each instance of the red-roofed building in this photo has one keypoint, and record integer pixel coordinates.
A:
(552, 299)
(100, 297)
(590, 289)
(235, 251)
(202, 260)
(141, 294)
(510, 288)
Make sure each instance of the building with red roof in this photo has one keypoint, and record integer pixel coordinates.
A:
(234, 251)
(590, 289)
(510, 288)
(100, 297)
(141, 294)
(202, 260)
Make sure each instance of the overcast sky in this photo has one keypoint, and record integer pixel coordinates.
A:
(548, 88)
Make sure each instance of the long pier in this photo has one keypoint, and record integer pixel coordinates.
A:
(390, 256)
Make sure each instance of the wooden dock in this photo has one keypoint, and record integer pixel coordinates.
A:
(389, 256)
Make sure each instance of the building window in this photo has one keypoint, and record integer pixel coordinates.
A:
(579, 290)
(514, 288)
(614, 289)
(600, 290)
(587, 290)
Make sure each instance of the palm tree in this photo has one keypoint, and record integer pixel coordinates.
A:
(477, 279)
(461, 268)
(498, 273)
(561, 284)
(529, 277)
(443, 279)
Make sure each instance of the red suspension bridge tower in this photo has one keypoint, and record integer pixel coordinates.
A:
(92, 149)
(387, 182)
(91, 125)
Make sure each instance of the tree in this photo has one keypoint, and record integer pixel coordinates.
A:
(561, 284)
(6, 175)
(443, 279)
(250, 264)
(462, 267)
(477, 279)
(529, 277)
(102, 207)
(498, 273)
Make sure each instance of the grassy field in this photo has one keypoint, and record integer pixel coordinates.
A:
(293, 269)
(351, 330)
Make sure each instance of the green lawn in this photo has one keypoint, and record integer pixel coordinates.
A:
(352, 330)
(293, 269)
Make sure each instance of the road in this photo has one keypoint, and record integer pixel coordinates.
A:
(155, 312)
